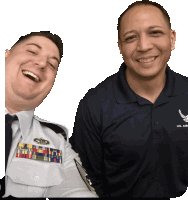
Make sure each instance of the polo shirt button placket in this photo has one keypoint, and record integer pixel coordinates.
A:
(157, 131)
(155, 124)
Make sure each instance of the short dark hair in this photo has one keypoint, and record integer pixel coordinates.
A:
(144, 2)
(53, 37)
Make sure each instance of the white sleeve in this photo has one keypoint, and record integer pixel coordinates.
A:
(75, 184)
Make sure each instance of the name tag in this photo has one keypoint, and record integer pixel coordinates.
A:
(38, 153)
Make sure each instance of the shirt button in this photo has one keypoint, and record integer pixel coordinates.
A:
(36, 178)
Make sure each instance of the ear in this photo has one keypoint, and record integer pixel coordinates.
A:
(7, 53)
(119, 45)
(173, 39)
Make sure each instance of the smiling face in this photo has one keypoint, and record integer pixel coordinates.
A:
(30, 70)
(145, 41)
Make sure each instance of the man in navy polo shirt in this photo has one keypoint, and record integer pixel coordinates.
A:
(131, 131)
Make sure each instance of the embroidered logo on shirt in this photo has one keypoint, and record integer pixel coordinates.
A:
(41, 141)
(38, 153)
(185, 118)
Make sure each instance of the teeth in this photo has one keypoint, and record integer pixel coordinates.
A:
(31, 74)
(146, 60)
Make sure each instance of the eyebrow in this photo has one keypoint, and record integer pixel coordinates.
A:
(41, 48)
(150, 27)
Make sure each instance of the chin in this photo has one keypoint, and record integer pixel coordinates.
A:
(150, 74)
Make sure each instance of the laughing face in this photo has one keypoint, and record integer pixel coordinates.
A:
(146, 41)
(30, 70)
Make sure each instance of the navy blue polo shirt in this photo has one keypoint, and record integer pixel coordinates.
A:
(129, 146)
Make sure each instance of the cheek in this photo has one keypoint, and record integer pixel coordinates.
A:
(50, 77)
(14, 62)
(11, 71)
(127, 51)
(164, 44)
(46, 88)
(163, 47)
(129, 55)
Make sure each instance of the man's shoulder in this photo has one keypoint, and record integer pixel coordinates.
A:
(180, 83)
(57, 128)
(102, 90)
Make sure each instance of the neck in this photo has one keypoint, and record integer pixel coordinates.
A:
(148, 88)
(15, 107)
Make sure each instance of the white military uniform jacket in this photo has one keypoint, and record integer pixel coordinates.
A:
(59, 177)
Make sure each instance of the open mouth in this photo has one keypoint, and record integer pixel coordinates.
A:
(31, 76)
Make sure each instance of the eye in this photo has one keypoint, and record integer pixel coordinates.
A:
(33, 52)
(129, 39)
(155, 33)
(51, 65)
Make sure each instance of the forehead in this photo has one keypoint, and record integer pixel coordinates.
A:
(45, 43)
(142, 15)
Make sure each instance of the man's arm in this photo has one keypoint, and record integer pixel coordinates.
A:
(74, 184)
(86, 140)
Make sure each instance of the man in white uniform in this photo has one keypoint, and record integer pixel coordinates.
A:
(39, 160)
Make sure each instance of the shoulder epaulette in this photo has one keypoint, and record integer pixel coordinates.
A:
(55, 128)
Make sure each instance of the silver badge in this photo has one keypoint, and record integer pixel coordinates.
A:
(83, 174)
(41, 141)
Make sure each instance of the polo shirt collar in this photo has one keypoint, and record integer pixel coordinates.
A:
(124, 94)
(25, 120)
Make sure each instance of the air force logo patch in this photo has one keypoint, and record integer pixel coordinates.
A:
(185, 118)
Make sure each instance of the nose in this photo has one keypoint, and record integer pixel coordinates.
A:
(144, 43)
(41, 62)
